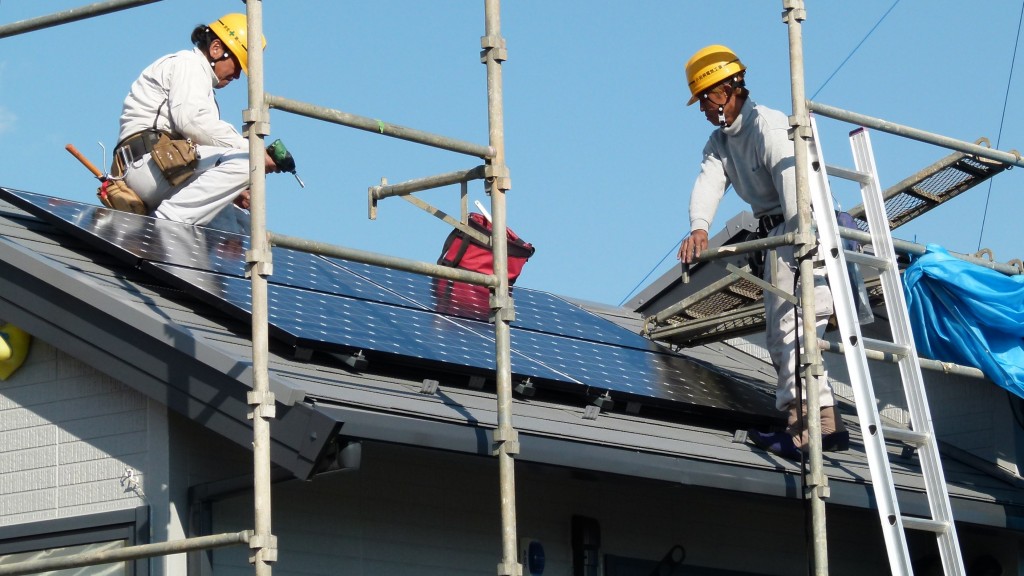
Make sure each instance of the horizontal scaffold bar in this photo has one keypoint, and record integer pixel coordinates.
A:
(914, 133)
(127, 553)
(926, 363)
(376, 259)
(378, 126)
(906, 247)
(426, 183)
(66, 16)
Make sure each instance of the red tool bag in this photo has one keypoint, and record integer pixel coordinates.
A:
(460, 251)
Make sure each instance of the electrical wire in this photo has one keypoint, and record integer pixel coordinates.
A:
(1002, 120)
(675, 248)
(852, 52)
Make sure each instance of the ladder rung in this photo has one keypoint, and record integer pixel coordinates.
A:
(875, 262)
(847, 174)
(912, 437)
(885, 347)
(925, 524)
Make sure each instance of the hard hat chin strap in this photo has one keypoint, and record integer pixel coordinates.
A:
(737, 83)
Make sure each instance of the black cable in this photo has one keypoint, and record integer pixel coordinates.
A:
(855, 48)
(1002, 119)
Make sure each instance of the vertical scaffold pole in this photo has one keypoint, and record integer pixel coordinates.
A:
(258, 266)
(813, 367)
(506, 441)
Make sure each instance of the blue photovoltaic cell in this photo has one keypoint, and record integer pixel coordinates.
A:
(339, 305)
(636, 372)
(134, 238)
(343, 324)
(534, 310)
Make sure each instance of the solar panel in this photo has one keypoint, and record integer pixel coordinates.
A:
(534, 309)
(339, 305)
(332, 322)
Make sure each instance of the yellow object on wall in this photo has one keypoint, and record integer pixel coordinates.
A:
(14, 345)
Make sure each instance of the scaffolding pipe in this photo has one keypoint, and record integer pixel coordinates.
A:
(127, 553)
(378, 126)
(926, 363)
(71, 15)
(817, 484)
(263, 544)
(426, 183)
(906, 247)
(506, 440)
(758, 245)
(915, 134)
(393, 262)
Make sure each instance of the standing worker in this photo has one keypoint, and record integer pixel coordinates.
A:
(173, 99)
(751, 150)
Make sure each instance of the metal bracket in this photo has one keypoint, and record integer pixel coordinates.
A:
(256, 121)
(508, 438)
(502, 309)
(510, 569)
(493, 47)
(793, 9)
(429, 386)
(476, 382)
(264, 547)
(499, 176)
(259, 261)
(602, 402)
(262, 403)
(822, 490)
(525, 388)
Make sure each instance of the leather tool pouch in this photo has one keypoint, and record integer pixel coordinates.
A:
(117, 195)
(177, 159)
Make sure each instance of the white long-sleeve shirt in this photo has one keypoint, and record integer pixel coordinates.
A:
(180, 88)
(755, 155)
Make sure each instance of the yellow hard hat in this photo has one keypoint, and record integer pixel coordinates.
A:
(709, 66)
(231, 29)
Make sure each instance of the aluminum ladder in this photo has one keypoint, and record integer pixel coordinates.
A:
(922, 435)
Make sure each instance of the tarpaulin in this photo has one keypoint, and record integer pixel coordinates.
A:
(967, 314)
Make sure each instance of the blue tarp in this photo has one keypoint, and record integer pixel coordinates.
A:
(967, 314)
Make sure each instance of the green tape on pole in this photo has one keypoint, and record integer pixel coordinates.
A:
(380, 126)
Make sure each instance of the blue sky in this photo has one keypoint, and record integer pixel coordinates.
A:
(601, 147)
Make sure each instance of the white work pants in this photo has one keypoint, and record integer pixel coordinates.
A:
(221, 174)
(784, 326)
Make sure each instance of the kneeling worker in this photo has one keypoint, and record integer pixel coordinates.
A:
(174, 96)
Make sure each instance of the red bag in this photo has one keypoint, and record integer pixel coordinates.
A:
(462, 299)
(460, 251)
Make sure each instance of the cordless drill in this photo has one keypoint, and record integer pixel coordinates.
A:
(283, 158)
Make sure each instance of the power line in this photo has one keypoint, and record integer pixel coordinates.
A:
(1002, 119)
(855, 48)
(644, 279)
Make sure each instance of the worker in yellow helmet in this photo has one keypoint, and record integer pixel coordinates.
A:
(174, 97)
(750, 150)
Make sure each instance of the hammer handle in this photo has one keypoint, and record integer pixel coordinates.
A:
(85, 161)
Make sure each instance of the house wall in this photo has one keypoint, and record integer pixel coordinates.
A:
(68, 436)
(410, 511)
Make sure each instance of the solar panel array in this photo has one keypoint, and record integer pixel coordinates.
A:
(343, 306)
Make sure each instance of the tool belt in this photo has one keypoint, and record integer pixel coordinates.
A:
(177, 158)
(766, 224)
(141, 143)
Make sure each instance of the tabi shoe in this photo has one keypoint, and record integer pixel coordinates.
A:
(789, 444)
(780, 443)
